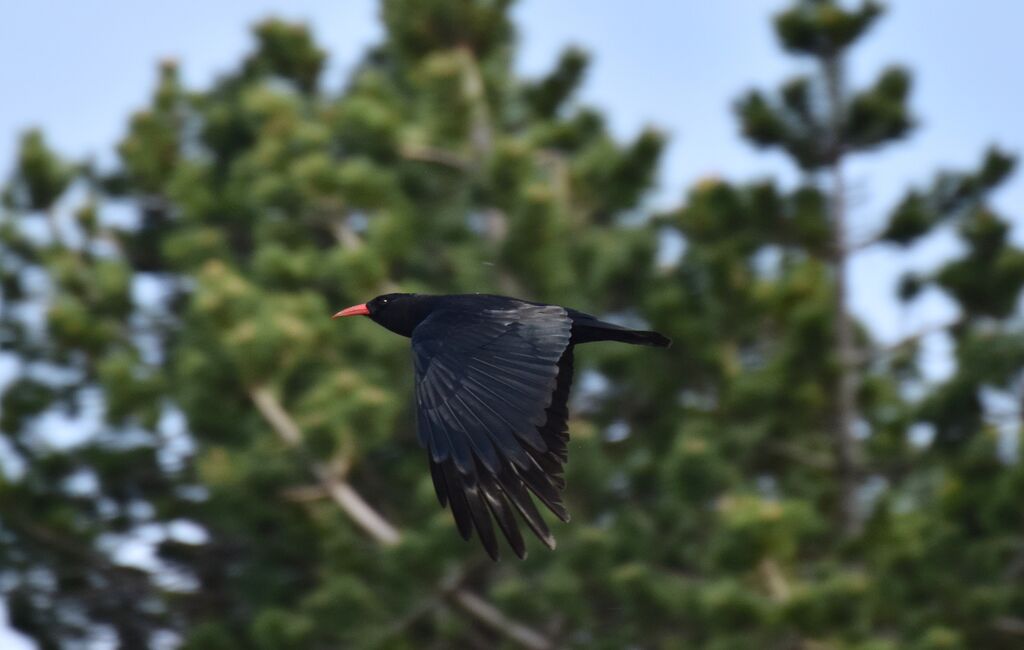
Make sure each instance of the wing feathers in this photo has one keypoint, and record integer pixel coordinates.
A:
(517, 494)
(491, 391)
(457, 500)
(480, 514)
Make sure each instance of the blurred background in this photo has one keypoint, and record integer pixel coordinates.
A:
(816, 200)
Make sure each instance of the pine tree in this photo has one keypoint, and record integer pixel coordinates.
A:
(171, 315)
(819, 122)
(201, 332)
(962, 542)
(784, 538)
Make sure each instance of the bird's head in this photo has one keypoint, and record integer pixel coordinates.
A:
(398, 312)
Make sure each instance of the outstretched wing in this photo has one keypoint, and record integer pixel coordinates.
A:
(491, 392)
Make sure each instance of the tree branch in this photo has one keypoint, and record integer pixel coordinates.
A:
(492, 617)
(340, 491)
(435, 156)
(561, 184)
(53, 224)
(423, 607)
(774, 580)
(1009, 625)
(113, 596)
(304, 493)
(379, 528)
(858, 246)
(481, 134)
(808, 457)
(907, 341)
(344, 235)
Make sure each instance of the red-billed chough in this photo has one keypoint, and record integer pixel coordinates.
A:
(492, 385)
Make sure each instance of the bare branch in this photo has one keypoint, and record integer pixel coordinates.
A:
(856, 247)
(363, 514)
(481, 134)
(344, 235)
(53, 224)
(272, 411)
(304, 493)
(343, 494)
(774, 580)
(558, 167)
(807, 457)
(1015, 568)
(445, 587)
(927, 330)
(435, 156)
(379, 528)
(1009, 625)
(909, 340)
(491, 616)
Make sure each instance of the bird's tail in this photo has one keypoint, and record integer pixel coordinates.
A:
(586, 328)
(636, 337)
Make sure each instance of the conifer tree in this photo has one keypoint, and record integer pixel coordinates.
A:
(819, 122)
(178, 383)
(200, 330)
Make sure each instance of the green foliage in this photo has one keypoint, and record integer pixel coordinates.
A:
(812, 119)
(704, 481)
(548, 95)
(286, 51)
(824, 28)
(40, 176)
(951, 196)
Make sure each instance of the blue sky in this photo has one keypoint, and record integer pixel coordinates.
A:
(78, 68)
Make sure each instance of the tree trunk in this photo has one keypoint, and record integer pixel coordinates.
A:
(846, 411)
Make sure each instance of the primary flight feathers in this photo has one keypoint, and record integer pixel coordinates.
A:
(492, 385)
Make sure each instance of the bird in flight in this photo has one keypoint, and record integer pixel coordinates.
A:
(492, 386)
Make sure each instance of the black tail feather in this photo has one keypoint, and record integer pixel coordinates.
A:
(590, 332)
(587, 328)
(641, 337)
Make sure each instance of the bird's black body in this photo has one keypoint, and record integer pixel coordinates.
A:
(402, 312)
(492, 385)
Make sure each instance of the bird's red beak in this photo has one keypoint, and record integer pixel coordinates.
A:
(354, 310)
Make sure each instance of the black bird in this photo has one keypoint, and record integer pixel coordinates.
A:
(492, 385)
